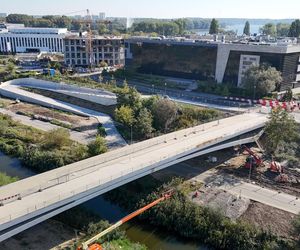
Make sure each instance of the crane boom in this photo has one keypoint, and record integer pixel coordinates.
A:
(85, 245)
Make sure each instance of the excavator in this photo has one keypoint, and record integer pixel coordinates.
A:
(90, 245)
(274, 167)
(252, 159)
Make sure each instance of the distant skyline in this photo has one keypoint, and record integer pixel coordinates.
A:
(275, 9)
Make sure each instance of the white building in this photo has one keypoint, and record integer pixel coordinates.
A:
(21, 40)
(101, 15)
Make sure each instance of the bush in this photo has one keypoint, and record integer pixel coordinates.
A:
(41, 161)
(101, 130)
(56, 138)
(97, 147)
(5, 179)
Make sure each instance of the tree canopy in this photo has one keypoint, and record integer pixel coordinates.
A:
(281, 131)
(295, 29)
(269, 29)
(247, 28)
(214, 26)
(262, 80)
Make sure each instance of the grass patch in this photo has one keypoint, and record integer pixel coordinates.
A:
(39, 150)
(5, 179)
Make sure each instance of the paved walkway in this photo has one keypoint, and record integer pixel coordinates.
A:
(81, 137)
(113, 138)
(251, 191)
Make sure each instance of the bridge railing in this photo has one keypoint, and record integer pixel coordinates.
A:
(120, 176)
(104, 182)
(86, 166)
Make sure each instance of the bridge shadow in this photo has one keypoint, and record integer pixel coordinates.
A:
(192, 168)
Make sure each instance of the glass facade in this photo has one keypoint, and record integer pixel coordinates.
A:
(184, 61)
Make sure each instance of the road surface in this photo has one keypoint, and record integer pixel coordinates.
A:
(250, 191)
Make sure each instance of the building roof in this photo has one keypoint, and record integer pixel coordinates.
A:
(97, 37)
(30, 30)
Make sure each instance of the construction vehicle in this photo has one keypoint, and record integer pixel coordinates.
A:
(252, 160)
(256, 161)
(276, 167)
(90, 245)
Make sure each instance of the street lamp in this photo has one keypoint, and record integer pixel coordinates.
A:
(130, 134)
(254, 91)
(165, 88)
(153, 89)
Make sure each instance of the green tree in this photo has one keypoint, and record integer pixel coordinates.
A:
(97, 147)
(164, 113)
(281, 128)
(125, 115)
(269, 29)
(283, 29)
(288, 96)
(247, 29)
(144, 123)
(11, 68)
(295, 29)
(130, 97)
(261, 80)
(214, 26)
(296, 228)
(181, 25)
(102, 29)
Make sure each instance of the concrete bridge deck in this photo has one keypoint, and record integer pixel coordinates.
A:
(84, 180)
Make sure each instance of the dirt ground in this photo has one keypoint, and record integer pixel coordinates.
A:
(262, 175)
(269, 218)
(78, 122)
(46, 235)
(263, 216)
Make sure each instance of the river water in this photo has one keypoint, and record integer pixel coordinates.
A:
(152, 237)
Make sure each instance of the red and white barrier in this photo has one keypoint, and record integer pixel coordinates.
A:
(10, 197)
(291, 106)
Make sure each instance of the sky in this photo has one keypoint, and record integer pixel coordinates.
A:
(273, 9)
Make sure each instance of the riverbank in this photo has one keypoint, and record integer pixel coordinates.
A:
(62, 232)
(38, 150)
(181, 216)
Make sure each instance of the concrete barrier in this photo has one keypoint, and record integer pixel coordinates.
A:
(93, 95)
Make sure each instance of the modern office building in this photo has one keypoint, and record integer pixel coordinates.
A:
(107, 49)
(22, 40)
(215, 60)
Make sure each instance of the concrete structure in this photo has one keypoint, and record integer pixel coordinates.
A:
(12, 90)
(211, 59)
(107, 49)
(20, 40)
(32, 200)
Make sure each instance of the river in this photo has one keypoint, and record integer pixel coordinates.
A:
(152, 237)
(238, 28)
